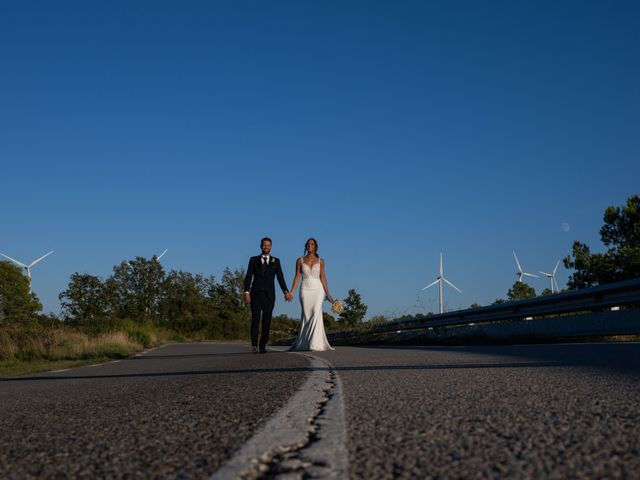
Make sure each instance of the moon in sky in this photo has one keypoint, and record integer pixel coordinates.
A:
(565, 227)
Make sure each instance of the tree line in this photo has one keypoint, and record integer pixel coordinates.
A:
(140, 291)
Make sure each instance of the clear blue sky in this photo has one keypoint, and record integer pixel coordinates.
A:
(390, 131)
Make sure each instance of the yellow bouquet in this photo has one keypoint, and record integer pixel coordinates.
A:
(337, 307)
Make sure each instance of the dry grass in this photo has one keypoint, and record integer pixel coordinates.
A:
(32, 343)
(30, 348)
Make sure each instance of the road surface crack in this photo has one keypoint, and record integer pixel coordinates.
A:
(295, 462)
(305, 439)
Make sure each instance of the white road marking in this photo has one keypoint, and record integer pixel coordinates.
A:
(58, 371)
(288, 430)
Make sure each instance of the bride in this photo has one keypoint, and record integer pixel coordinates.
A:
(312, 292)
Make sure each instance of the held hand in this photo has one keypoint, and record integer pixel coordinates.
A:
(288, 296)
(247, 298)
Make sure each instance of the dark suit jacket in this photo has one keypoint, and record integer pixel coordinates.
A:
(261, 279)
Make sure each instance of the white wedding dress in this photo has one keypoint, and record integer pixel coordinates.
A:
(311, 336)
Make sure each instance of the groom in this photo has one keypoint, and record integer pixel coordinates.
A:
(261, 293)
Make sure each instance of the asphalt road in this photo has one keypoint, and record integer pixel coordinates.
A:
(175, 412)
(550, 411)
(538, 411)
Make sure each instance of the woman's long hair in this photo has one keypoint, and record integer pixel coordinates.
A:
(306, 247)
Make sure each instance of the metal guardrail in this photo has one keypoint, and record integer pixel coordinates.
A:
(588, 300)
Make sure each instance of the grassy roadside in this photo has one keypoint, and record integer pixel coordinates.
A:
(33, 348)
(39, 347)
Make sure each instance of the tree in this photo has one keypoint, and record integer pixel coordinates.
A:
(85, 299)
(377, 320)
(184, 305)
(284, 326)
(137, 286)
(330, 322)
(17, 304)
(621, 234)
(475, 305)
(520, 291)
(231, 312)
(354, 309)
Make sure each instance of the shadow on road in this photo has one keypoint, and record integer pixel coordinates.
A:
(194, 355)
(622, 357)
(443, 366)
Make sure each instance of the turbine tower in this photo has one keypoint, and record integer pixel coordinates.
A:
(27, 267)
(441, 280)
(521, 273)
(552, 278)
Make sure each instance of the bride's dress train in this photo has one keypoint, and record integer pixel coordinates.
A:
(311, 336)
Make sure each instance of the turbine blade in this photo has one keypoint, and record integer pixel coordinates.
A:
(440, 263)
(547, 274)
(530, 274)
(14, 260)
(165, 251)
(517, 262)
(557, 264)
(452, 285)
(41, 258)
(431, 284)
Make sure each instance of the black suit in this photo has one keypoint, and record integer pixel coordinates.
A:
(259, 282)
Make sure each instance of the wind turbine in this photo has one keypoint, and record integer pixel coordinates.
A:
(157, 258)
(441, 280)
(27, 267)
(552, 278)
(520, 273)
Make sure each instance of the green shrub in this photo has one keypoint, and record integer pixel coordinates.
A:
(141, 333)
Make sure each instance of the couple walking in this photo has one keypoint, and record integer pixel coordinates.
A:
(259, 293)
